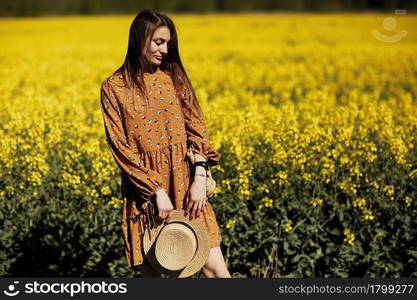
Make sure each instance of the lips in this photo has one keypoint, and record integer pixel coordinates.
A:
(159, 57)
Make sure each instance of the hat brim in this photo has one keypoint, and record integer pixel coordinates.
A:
(203, 244)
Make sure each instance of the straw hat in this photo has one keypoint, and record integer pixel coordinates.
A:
(179, 248)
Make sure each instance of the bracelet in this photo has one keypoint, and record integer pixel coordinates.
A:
(200, 175)
(202, 163)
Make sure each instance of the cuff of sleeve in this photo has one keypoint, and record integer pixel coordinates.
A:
(152, 192)
(205, 150)
(148, 191)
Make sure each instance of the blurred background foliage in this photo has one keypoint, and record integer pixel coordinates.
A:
(65, 7)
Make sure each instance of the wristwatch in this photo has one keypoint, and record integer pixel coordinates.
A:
(202, 163)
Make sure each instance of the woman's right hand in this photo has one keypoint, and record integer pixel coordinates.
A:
(164, 205)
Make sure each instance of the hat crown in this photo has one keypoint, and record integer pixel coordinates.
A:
(176, 246)
(199, 250)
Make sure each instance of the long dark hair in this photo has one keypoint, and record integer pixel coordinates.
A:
(137, 62)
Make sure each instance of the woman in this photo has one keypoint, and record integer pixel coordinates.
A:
(151, 118)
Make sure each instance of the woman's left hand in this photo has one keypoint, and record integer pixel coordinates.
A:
(196, 198)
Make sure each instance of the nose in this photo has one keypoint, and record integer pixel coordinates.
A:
(164, 49)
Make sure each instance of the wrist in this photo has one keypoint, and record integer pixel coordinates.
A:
(200, 179)
(159, 191)
(200, 170)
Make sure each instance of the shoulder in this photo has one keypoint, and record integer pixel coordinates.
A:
(115, 81)
(113, 88)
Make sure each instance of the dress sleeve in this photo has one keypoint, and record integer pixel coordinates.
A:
(146, 180)
(197, 134)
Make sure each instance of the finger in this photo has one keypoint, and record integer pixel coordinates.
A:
(198, 211)
(190, 208)
(189, 205)
(194, 209)
(203, 204)
(200, 205)
(163, 214)
(167, 212)
(168, 218)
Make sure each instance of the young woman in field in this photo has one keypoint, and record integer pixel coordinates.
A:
(151, 117)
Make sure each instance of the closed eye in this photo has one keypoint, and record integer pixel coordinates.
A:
(160, 41)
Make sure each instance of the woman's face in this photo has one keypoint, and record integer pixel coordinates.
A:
(158, 45)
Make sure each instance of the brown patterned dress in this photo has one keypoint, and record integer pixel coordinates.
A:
(149, 140)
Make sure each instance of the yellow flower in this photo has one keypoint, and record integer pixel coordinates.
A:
(267, 202)
(389, 191)
(281, 177)
(307, 177)
(231, 224)
(115, 202)
(367, 215)
(227, 184)
(217, 190)
(263, 188)
(344, 160)
(359, 202)
(92, 192)
(316, 201)
(407, 201)
(288, 226)
(349, 237)
(105, 190)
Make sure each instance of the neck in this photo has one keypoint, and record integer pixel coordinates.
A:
(153, 69)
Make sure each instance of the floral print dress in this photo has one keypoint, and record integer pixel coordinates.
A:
(149, 140)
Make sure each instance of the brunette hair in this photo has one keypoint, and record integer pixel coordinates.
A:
(137, 62)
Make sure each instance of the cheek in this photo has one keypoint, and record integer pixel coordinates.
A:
(153, 48)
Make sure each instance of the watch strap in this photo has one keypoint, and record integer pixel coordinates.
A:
(202, 163)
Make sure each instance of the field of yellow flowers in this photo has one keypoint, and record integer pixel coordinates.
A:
(315, 118)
